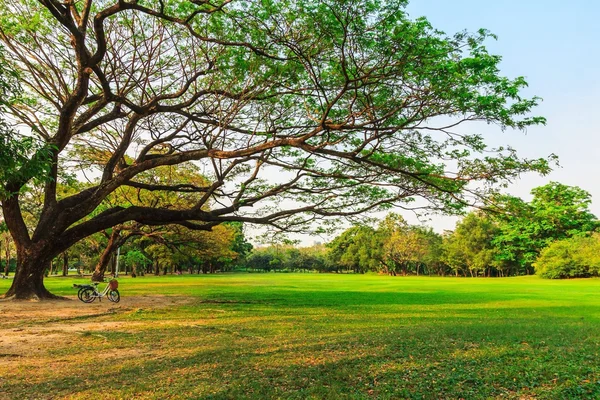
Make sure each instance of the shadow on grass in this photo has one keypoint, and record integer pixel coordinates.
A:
(437, 359)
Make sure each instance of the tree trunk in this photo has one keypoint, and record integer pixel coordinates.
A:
(28, 282)
(113, 265)
(7, 252)
(65, 271)
(156, 268)
(114, 241)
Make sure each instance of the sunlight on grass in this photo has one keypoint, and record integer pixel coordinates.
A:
(320, 336)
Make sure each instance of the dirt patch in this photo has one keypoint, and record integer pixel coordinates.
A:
(26, 328)
(12, 312)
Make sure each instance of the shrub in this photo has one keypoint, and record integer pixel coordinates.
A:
(576, 257)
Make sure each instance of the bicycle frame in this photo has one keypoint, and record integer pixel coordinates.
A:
(98, 294)
(88, 293)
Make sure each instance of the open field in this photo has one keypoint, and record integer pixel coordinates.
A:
(307, 336)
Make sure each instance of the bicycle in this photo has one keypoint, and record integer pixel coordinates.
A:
(88, 293)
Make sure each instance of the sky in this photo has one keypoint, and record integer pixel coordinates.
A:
(555, 45)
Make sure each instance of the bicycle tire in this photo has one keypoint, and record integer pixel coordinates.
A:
(80, 291)
(88, 295)
(114, 296)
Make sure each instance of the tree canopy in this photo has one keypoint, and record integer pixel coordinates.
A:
(295, 112)
(556, 212)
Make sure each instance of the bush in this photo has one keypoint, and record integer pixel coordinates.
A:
(576, 257)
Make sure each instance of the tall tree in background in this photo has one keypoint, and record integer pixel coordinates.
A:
(469, 248)
(556, 212)
(357, 248)
(406, 248)
(341, 97)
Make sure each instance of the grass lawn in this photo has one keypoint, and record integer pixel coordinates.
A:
(308, 336)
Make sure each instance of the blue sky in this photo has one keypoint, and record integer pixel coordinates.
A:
(556, 46)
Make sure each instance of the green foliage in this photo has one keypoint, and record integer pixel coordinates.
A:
(576, 257)
(469, 247)
(504, 242)
(357, 249)
(556, 212)
(289, 259)
(240, 245)
(22, 157)
(354, 69)
(136, 258)
(392, 248)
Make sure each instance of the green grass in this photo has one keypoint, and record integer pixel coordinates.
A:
(328, 336)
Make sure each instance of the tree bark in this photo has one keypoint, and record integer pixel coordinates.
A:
(65, 271)
(113, 264)
(7, 252)
(28, 282)
(114, 242)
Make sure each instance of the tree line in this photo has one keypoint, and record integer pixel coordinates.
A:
(552, 235)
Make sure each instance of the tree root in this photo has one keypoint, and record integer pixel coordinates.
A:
(33, 298)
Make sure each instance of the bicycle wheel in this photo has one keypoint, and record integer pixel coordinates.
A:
(114, 296)
(88, 295)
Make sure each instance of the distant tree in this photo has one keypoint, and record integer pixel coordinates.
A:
(266, 259)
(407, 248)
(136, 259)
(356, 249)
(556, 212)
(5, 248)
(393, 247)
(432, 259)
(469, 247)
(258, 260)
(240, 245)
(315, 258)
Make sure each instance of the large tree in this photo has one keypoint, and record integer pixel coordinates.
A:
(354, 104)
